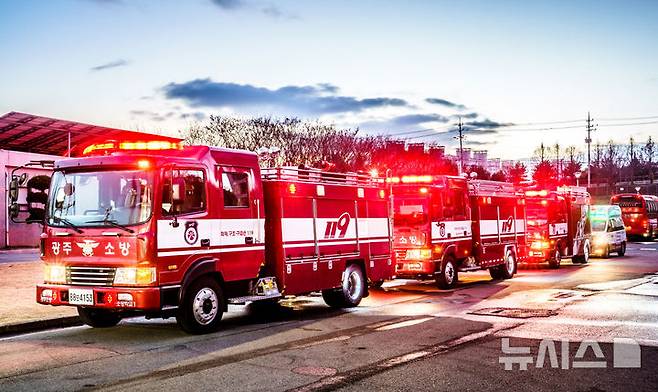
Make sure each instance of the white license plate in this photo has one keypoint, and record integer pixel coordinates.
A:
(81, 297)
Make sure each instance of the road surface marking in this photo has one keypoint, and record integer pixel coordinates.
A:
(403, 324)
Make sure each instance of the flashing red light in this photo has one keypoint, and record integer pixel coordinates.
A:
(393, 180)
(416, 179)
(139, 145)
(542, 193)
(423, 190)
(143, 164)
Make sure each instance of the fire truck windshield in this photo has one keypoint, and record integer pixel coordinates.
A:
(411, 212)
(101, 197)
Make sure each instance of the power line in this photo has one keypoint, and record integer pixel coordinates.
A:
(628, 118)
(628, 124)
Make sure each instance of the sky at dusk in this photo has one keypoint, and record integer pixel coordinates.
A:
(516, 72)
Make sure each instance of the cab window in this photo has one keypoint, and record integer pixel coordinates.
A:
(235, 186)
(185, 193)
(454, 205)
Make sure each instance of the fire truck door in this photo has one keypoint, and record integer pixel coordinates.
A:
(240, 223)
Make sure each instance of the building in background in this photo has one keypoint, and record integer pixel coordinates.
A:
(27, 137)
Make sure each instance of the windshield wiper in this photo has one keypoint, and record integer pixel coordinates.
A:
(112, 223)
(67, 223)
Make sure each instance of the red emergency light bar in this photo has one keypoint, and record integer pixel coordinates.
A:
(137, 145)
(541, 193)
(410, 179)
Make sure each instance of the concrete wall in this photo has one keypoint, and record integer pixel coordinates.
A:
(18, 234)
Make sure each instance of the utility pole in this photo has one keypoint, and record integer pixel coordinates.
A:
(557, 161)
(590, 128)
(461, 146)
(631, 164)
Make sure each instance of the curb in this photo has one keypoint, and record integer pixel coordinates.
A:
(39, 325)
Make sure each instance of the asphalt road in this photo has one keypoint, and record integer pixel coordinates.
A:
(409, 336)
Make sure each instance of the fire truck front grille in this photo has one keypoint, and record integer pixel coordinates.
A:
(90, 276)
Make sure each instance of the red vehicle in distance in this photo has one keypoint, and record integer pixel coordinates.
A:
(444, 225)
(166, 230)
(639, 212)
(558, 225)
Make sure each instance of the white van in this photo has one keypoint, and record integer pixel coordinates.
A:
(608, 230)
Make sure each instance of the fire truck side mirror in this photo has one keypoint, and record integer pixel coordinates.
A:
(13, 190)
(174, 196)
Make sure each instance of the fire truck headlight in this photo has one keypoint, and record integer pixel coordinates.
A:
(419, 254)
(134, 275)
(539, 245)
(54, 274)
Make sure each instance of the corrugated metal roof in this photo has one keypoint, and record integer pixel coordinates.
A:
(45, 135)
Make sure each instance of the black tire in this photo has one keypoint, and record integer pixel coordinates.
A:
(332, 298)
(351, 291)
(377, 284)
(98, 318)
(584, 258)
(447, 278)
(495, 273)
(622, 249)
(606, 252)
(202, 307)
(556, 260)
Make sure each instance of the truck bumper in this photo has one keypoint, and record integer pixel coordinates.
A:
(413, 268)
(537, 256)
(129, 298)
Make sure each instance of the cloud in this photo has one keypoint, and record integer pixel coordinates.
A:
(468, 116)
(111, 64)
(443, 102)
(485, 125)
(198, 116)
(229, 4)
(315, 100)
(476, 143)
(403, 123)
(270, 10)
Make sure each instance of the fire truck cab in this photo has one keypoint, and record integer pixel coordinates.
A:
(558, 225)
(446, 224)
(166, 230)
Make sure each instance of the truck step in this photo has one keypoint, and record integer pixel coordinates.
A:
(252, 298)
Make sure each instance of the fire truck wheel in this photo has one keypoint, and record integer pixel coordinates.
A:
(622, 249)
(351, 291)
(556, 260)
(202, 308)
(98, 318)
(508, 269)
(447, 278)
(584, 258)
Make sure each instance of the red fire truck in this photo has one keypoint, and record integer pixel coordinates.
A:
(164, 230)
(446, 224)
(558, 225)
(639, 212)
